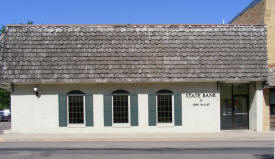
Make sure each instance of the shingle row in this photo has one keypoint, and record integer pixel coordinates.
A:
(129, 53)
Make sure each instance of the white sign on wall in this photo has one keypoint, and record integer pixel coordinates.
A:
(200, 99)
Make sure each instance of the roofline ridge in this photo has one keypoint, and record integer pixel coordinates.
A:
(134, 25)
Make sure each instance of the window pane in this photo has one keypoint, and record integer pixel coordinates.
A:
(164, 108)
(240, 89)
(272, 110)
(120, 108)
(272, 96)
(76, 115)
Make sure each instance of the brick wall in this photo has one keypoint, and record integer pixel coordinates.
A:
(253, 15)
(269, 20)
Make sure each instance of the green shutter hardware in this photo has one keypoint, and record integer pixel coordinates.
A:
(107, 109)
(152, 109)
(178, 109)
(62, 105)
(89, 110)
(134, 109)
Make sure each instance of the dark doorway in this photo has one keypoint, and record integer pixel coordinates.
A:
(234, 106)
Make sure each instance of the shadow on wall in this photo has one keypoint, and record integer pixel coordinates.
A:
(266, 97)
(53, 89)
(252, 93)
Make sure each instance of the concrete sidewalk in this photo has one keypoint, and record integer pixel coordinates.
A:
(220, 136)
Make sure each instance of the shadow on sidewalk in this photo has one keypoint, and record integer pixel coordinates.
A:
(264, 156)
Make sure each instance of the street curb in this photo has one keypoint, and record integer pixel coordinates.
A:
(222, 136)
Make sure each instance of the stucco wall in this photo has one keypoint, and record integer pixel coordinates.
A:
(256, 106)
(31, 114)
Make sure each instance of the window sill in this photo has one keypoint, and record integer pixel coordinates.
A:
(121, 126)
(165, 125)
(76, 126)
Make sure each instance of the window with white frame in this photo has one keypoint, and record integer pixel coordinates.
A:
(75, 107)
(120, 107)
(164, 106)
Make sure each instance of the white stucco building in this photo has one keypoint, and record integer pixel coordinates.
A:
(134, 78)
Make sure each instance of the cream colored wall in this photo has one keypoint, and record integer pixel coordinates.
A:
(266, 111)
(31, 114)
(269, 18)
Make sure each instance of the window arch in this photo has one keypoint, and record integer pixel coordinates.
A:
(120, 91)
(164, 91)
(164, 106)
(120, 106)
(75, 92)
(75, 107)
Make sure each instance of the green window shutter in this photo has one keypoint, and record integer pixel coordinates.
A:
(134, 109)
(178, 109)
(89, 110)
(107, 109)
(152, 109)
(62, 105)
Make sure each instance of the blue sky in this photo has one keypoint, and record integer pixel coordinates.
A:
(120, 11)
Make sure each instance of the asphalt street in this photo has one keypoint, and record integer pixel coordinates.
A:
(137, 150)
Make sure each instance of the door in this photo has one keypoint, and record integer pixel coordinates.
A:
(240, 112)
(235, 114)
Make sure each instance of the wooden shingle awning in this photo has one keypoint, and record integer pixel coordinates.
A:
(132, 53)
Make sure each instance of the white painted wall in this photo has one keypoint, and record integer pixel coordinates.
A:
(256, 107)
(201, 118)
(31, 114)
(260, 99)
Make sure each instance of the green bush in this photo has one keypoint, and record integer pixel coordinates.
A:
(4, 99)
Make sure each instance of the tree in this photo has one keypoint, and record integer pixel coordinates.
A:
(28, 22)
(4, 99)
(3, 27)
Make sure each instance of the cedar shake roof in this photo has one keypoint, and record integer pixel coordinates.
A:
(132, 53)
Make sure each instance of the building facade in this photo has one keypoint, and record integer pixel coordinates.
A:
(263, 12)
(134, 78)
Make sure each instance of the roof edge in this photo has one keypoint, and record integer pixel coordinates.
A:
(133, 82)
(130, 25)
